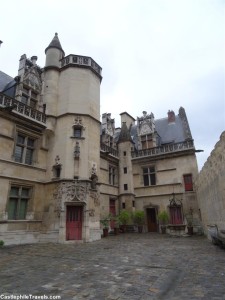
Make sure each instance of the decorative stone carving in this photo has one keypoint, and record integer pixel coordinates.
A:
(108, 124)
(32, 78)
(78, 121)
(77, 150)
(145, 129)
(95, 195)
(68, 192)
(57, 160)
(94, 177)
(91, 212)
(81, 191)
(146, 123)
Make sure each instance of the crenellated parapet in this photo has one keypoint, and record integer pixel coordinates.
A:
(82, 62)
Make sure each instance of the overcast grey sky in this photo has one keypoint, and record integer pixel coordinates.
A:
(156, 55)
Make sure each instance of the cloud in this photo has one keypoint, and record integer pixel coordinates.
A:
(155, 55)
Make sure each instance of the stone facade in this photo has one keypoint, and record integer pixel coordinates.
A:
(62, 170)
(49, 161)
(157, 146)
(210, 187)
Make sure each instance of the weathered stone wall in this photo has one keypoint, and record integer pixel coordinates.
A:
(210, 186)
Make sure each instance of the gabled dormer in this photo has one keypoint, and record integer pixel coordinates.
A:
(146, 131)
(28, 90)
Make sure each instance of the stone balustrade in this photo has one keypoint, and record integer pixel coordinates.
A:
(109, 150)
(11, 104)
(164, 149)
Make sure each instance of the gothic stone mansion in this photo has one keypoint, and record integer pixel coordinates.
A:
(62, 170)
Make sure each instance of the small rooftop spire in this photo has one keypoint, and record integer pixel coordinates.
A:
(55, 43)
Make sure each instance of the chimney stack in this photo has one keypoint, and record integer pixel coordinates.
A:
(171, 116)
(34, 60)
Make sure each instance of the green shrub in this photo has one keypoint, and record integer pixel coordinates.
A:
(139, 217)
(124, 217)
(163, 217)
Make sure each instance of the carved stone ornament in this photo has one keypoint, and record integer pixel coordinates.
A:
(145, 128)
(33, 80)
(91, 212)
(57, 160)
(78, 121)
(81, 191)
(95, 195)
(69, 192)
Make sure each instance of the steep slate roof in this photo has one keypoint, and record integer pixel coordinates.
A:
(4, 80)
(7, 84)
(55, 43)
(170, 132)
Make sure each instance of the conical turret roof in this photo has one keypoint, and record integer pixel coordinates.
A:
(124, 134)
(55, 43)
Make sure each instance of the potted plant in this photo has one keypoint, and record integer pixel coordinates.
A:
(124, 218)
(189, 219)
(105, 223)
(139, 219)
(1, 243)
(163, 217)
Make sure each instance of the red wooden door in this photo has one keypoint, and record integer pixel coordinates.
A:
(74, 222)
(112, 208)
(176, 215)
(152, 220)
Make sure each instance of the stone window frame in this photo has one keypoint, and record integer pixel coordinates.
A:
(149, 175)
(20, 213)
(28, 94)
(112, 175)
(188, 182)
(146, 141)
(78, 129)
(19, 131)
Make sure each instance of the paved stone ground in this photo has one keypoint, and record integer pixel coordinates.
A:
(128, 266)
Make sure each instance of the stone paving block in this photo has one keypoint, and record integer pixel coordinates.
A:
(129, 266)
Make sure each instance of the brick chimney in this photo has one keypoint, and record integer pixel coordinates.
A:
(171, 116)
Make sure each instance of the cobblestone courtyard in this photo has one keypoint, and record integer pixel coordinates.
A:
(128, 266)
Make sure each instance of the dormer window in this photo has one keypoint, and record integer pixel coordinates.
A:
(29, 97)
(146, 141)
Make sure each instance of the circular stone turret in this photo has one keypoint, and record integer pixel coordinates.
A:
(54, 53)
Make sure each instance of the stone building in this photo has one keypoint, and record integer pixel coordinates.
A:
(210, 187)
(62, 170)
